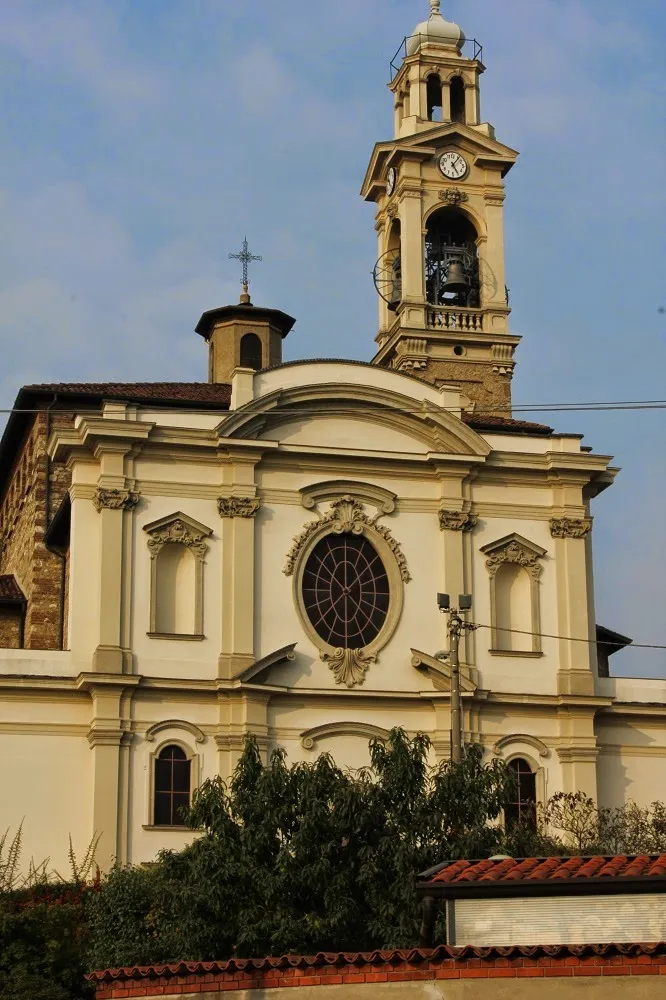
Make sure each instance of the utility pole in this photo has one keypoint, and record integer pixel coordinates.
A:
(456, 625)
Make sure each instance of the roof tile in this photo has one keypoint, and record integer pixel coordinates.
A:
(530, 869)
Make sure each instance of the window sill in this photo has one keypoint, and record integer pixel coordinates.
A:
(175, 635)
(515, 652)
(179, 829)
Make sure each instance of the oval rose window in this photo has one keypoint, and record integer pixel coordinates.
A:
(345, 591)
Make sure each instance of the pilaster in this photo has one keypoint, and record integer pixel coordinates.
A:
(238, 508)
(576, 648)
(112, 500)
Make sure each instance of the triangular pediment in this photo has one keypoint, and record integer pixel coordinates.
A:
(513, 539)
(428, 143)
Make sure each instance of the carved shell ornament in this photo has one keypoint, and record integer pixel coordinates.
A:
(349, 573)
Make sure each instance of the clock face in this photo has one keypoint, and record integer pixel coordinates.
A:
(390, 181)
(453, 165)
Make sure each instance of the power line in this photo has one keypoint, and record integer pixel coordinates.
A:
(418, 408)
(571, 638)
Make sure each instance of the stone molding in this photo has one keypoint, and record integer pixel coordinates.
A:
(570, 527)
(311, 737)
(383, 499)
(108, 499)
(524, 738)
(188, 727)
(456, 520)
(238, 506)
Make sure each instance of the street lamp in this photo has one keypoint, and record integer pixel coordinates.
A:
(456, 625)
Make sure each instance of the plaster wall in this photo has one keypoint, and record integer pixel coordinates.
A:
(601, 988)
(46, 785)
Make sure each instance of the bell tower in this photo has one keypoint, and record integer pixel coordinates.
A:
(439, 190)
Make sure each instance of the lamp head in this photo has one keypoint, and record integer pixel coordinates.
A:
(443, 602)
(465, 602)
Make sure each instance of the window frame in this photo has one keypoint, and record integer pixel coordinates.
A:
(195, 772)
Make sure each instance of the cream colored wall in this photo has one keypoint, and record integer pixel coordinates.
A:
(46, 785)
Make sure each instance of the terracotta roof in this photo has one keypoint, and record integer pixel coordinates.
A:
(216, 393)
(553, 870)
(506, 425)
(325, 969)
(10, 592)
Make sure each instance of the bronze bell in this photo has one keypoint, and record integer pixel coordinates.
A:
(456, 279)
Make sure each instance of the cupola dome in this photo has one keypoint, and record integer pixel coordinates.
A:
(435, 31)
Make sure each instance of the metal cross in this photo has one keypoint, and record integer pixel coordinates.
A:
(246, 258)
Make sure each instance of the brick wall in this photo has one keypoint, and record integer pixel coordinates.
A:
(10, 628)
(32, 485)
(493, 973)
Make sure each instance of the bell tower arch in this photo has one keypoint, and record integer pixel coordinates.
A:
(438, 186)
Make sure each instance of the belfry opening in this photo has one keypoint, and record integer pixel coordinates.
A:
(451, 260)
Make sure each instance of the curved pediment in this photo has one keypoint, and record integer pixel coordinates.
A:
(289, 410)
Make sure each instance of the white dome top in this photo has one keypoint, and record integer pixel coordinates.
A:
(436, 31)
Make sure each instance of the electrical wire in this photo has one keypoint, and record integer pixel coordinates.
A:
(570, 638)
(418, 408)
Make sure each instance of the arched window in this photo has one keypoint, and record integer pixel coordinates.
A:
(523, 808)
(434, 93)
(250, 351)
(457, 87)
(176, 583)
(172, 785)
(513, 608)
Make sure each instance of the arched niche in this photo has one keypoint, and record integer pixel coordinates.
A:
(457, 92)
(434, 97)
(177, 546)
(515, 568)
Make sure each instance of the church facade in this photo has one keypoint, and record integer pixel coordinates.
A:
(184, 563)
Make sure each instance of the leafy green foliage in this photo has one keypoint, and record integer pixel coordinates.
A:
(305, 857)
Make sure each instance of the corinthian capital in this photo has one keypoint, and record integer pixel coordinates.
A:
(114, 499)
(570, 527)
(238, 506)
(456, 520)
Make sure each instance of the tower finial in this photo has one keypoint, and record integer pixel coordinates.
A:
(435, 7)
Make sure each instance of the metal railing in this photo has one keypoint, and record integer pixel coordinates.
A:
(470, 44)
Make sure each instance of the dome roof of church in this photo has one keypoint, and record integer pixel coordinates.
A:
(436, 31)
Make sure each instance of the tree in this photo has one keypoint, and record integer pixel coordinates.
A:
(305, 857)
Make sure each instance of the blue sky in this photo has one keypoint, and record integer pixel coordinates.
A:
(141, 139)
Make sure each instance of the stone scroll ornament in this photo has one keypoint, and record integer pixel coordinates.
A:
(456, 520)
(114, 499)
(346, 515)
(515, 553)
(238, 506)
(182, 534)
(570, 527)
